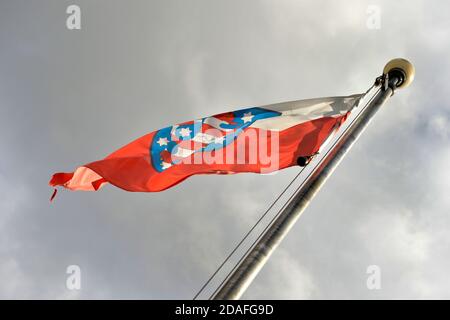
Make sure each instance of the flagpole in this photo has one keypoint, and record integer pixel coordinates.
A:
(397, 73)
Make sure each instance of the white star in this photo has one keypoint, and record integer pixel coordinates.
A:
(247, 117)
(162, 142)
(185, 132)
(165, 165)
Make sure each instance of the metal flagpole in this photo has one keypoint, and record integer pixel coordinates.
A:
(398, 73)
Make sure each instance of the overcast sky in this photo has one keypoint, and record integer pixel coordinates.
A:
(68, 97)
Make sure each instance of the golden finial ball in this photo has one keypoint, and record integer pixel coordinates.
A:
(403, 65)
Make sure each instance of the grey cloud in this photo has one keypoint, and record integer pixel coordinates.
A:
(70, 97)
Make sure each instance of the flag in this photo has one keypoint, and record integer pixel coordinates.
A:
(256, 139)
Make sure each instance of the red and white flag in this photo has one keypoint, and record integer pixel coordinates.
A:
(256, 139)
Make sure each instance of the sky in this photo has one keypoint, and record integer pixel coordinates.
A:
(69, 97)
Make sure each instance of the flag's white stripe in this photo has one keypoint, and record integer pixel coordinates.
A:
(297, 112)
(284, 121)
(338, 104)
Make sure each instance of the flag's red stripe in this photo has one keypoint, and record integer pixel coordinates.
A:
(130, 167)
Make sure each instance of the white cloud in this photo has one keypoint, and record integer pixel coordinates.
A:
(440, 125)
(289, 280)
